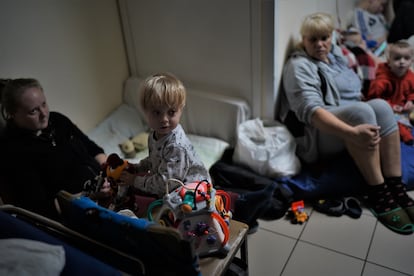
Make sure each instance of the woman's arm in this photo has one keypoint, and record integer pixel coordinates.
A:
(303, 87)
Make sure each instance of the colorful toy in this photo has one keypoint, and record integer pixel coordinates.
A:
(191, 209)
(105, 189)
(297, 212)
(114, 167)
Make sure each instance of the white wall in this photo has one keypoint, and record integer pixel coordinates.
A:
(74, 48)
(213, 44)
(234, 47)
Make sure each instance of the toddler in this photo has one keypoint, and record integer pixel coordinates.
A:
(172, 156)
(394, 83)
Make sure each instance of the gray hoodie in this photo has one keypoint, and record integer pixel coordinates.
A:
(302, 93)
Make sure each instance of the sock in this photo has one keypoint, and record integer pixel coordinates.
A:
(380, 198)
(398, 191)
(249, 206)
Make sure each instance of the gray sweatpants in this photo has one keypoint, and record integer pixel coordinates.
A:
(375, 112)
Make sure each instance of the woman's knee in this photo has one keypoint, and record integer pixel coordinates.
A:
(381, 107)
(384, 116)
(358, 113)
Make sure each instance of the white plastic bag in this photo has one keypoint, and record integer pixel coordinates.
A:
(269, 151)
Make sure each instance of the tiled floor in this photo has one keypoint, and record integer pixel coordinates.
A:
(330, 246)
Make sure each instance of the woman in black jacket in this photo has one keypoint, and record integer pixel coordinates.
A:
(42, 152)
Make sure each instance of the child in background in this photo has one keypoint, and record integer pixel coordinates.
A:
(368, 18)
(171, 154)
(394, 83)
(366, 60)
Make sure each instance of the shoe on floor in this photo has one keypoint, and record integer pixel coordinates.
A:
(410, 212)
(397, 220)
(332, 207)
(352, 207)
(253, 227)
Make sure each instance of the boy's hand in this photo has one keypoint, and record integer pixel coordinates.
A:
(397, 108)
(408, 106)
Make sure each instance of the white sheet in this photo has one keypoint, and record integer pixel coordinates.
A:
(28, 257)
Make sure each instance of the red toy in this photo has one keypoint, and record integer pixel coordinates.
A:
(297, 212)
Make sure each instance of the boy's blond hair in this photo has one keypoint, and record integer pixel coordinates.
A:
(162, 89)
(402, 44)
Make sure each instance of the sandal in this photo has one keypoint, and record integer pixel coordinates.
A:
(352, 207)
(397, 220)
(332, 207)
(410, 212)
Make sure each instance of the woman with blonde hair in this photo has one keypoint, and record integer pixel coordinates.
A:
(322, 107)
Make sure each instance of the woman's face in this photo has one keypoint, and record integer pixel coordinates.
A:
(318, 46)
(33, 111)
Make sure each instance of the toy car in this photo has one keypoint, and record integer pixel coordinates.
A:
(297, 212)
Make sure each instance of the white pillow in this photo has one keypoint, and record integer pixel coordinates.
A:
(209, 149)
(131, 94)
(122, 124)
(126, 121)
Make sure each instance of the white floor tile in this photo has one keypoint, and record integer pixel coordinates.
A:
(268, 252)
(343, 234)
(311, 260)
(284, 226)
(392, 250)
(330, 246)
(375, 270)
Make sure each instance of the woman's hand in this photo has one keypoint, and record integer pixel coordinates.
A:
(101, 158)
(365, 136)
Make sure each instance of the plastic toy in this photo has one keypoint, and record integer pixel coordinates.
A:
(105, 189)
(297, 212)
(135, 144)
(191, 209)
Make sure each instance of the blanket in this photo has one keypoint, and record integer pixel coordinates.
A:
(340, 177)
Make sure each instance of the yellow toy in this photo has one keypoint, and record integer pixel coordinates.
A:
(135, 144)
(114, 167)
